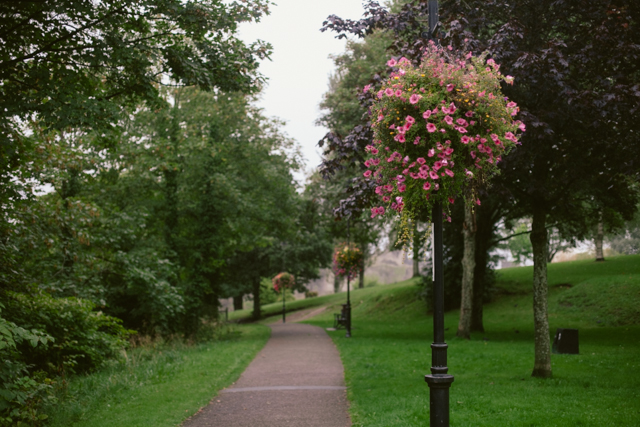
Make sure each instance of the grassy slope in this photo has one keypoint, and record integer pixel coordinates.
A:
(159, 388)
(389, 353)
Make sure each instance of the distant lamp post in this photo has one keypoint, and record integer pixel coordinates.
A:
(281, 282)
(348, 307)
(347, 260)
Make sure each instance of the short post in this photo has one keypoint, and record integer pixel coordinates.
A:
(284, 315)
(439, 381)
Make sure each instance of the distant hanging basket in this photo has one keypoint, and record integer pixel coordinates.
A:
(282, 281)
(347, 260)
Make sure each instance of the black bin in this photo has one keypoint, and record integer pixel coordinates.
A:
(565, 341)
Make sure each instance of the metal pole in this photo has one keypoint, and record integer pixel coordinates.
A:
(284, 313)
(348, 313)
(439, 381)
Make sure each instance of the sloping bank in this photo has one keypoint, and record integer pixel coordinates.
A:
(159, 385)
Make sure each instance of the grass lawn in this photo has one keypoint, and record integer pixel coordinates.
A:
(388, 356)
(159, 387)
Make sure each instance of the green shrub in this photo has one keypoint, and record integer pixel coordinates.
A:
(83, 338)
(21, 393)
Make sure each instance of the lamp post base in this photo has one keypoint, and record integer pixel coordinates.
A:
(439, 385)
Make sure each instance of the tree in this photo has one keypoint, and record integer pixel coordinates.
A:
(71, 63)
(567, 160)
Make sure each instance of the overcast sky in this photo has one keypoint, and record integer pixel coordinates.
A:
(299, 69)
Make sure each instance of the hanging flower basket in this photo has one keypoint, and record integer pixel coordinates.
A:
(347, 260)
(440, 129)
(282, 281)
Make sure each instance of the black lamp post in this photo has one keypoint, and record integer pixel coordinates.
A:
(439, 381)
(347, 313)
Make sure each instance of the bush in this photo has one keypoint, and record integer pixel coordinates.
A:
(83, 339)
(21, 394)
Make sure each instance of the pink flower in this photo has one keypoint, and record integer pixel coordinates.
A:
(421, 160)
(451, 200)
(402, 188)
(448, 172)
(448, 151)
(469, 113)
(510, 136)
(417, 140)
(465, 139)
(367, 163)
(437, 165)
(448, 119)
(366, 88)
(512, 104)
(380, 117)
(461, 129)
(426, 186)
(375, 162)
(398, 93)
(509, 80)
(431, 152)
(392, 62)
(414, 98)
(400, 138)
(481, 94)
(431, 127)
(380, 92)
(433, 175)
(522, 127)
(410, 120)
(436, 186)
(468, 173)
(386, 198)
(473, 154)
(478, 202)
(379, 190)
(367, 174)
(374, 150)
(462, 122)
(449, 87)
(400, 178)
(388, 91)
(472, 122)
(426, 114)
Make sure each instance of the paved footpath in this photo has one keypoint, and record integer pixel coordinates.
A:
(296, 380)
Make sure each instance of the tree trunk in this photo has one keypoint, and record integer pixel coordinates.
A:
(256, 298)
(486, 216)
(237, 302)
(542, 364)
(468, 266)
(416, 250)
(599, 238)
